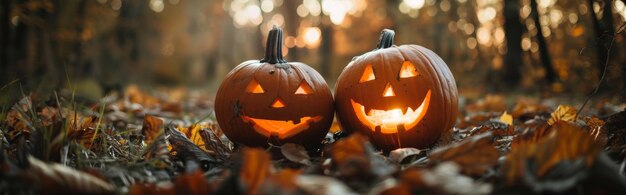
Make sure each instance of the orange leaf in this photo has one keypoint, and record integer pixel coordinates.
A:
(255, 169)
(564, 113)
(565, 141)
(476, 155)
(152, 127)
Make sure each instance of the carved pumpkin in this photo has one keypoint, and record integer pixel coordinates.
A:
(274, 101)
(400, 96)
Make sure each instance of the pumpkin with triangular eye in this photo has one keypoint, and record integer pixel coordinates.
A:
(274, 101)
(399, 96)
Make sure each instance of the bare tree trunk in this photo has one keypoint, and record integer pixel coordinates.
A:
(604, 30)
(78, 44)
(326, 50)
(5, 36)
(292, 22)
(513, 31)
(546, 61)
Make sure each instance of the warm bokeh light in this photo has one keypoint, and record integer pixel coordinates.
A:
(312, 36)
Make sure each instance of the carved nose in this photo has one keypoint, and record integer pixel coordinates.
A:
(278, 103)
(388, 91)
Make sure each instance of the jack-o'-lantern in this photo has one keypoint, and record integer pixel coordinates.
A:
(274, 101)
(399, 96)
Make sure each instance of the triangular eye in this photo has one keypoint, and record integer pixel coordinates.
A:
(368, 74)
(254, 87)
(304, 89)
(407, 70)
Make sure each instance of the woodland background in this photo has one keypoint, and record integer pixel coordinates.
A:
(538, 46)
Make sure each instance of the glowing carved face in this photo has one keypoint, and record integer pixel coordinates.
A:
(280, 128)
(390, 120)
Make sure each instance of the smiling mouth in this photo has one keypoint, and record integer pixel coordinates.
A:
(281, 128)
(390, 120)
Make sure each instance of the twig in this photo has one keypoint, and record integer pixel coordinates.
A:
(606, 67)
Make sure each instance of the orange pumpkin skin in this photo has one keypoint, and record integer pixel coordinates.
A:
(274, 101)
(409, 89)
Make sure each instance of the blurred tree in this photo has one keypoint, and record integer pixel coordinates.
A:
(603, 27)
(544, 55)
(513, 30)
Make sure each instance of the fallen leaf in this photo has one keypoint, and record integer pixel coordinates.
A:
(152, 128)
(475, 155)
(295, 153)
(192, 183)
(354, 160)
(401, 154)
(59, 179)
(317, 184)
(444, 178)
(17, 119)
(506, 118)
(187, 150)
(565, 144)
(283, 182)
(254, 170)
(564, 113)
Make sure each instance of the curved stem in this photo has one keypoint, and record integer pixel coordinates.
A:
(274, 47)
(386, 39)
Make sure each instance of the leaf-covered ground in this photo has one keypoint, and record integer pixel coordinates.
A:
(167, 142)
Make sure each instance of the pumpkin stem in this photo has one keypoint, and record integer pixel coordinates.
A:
(274, 47)
(386, 39)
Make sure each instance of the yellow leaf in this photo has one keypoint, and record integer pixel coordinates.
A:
(506, 118)
(563, 113)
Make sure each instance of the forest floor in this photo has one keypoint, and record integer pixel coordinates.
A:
(166, 141)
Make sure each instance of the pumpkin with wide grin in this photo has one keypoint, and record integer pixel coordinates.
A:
(272, 101)
(280, 129)
(389, 121)
(399, 96)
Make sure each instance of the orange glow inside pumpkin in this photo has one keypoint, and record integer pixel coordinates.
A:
(388, 120)
(368, 74)
(407, 70)
(303, 89)
(279, 128)
(388, 92)
(278, 103)
(254, 87)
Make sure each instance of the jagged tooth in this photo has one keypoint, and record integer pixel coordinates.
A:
(410, 111)
(404, 109)
(296, 121)
(367, 110)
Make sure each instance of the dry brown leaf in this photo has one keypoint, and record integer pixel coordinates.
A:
(81, 128)
(444, 178)
(594, 126)
(476, 155)
(254, 170)
(135, 95)
(350, 147)
(564, 113)
(528, 108)
(295, 153)
(564, 142)
(491, 103)
(188, 183)
(400, 154)
(496, 128)
(283, 182)
(152, 127)
(150, 189)
(59, 179)
(194, 134)
(17, 118)
(192, 183)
